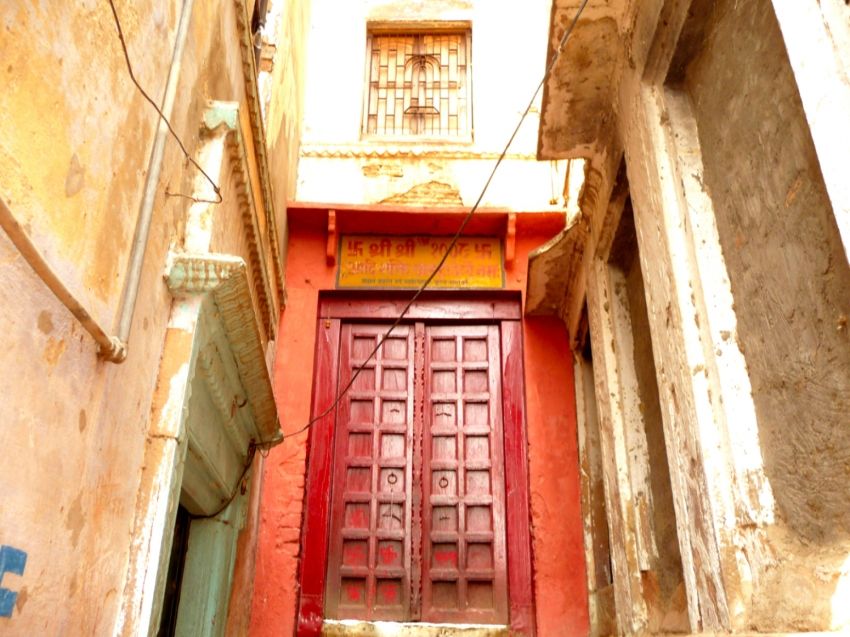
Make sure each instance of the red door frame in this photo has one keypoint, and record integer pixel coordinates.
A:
(501, 308)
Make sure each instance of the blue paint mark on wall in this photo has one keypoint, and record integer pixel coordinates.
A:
(12, 560)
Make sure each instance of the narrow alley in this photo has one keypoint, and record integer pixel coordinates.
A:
(425, 318)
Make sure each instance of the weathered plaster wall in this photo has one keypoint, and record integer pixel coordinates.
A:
(737, 178)
(75, 141)
(791, 283)
(62, 172)
(284, 85)
(786, 265)
(559, 579)
(560, 584)
(507, 61)
(664, 586)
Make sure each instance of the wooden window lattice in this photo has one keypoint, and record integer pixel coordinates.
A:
(418, 85)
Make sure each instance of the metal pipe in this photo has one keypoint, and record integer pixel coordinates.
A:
(110, 347)
(143, 223)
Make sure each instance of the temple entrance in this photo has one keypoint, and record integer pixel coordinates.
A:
(420, 452)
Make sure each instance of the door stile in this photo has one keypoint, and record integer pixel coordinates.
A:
(498, 477)
(339, 463)
(416, 482)
(314, 536)
(518, 530)
(461, 468)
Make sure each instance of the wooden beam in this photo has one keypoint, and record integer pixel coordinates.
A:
(496, 306)
(510, 239)
(333, 238)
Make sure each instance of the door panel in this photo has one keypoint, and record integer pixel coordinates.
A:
(369, 553)
(463, 539)
(418, 503)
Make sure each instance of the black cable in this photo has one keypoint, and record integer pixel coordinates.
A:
(161, 114)
(457, 234)
(253, 448)
(236, 490)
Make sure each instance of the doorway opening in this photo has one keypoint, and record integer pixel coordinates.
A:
(174, 577)
(407, 514)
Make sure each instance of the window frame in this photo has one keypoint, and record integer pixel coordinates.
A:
(401, 28)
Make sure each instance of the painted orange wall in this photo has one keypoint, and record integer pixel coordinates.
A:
(560, 589)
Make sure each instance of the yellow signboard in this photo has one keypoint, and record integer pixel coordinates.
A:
(378, 261)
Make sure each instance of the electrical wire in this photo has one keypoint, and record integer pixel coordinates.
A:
(162, 116)
(253, 447)
(236, 490)
(457, 234)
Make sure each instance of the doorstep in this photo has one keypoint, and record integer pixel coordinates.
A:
(355, 628)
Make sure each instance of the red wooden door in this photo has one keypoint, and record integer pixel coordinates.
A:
(369, 558)
(417, 523)
(463, 556)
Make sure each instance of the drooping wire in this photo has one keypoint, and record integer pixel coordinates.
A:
(237, 490)
(252, 448)
(162, 116)
(457, 234)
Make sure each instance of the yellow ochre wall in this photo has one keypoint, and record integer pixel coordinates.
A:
(75, 143)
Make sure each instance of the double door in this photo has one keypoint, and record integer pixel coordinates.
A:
(417, 525)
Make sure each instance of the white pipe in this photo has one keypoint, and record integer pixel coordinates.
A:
(143, 224)
(114, 348)
(110, 347)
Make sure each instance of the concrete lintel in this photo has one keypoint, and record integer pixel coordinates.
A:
(552, 267)
(578, 97)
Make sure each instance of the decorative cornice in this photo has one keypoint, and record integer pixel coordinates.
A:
(398, 151)
(249, 72)
(226, 114)
(190, 274)
(225, 278)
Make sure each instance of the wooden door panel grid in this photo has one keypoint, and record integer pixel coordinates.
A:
(370, 544)
(464, 565)
(418, 479)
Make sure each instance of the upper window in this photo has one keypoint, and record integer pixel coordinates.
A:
(418, 85)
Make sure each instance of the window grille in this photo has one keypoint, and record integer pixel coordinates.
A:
(418, 85)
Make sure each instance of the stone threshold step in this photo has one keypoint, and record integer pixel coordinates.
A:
(749, 633)
(355, 628)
